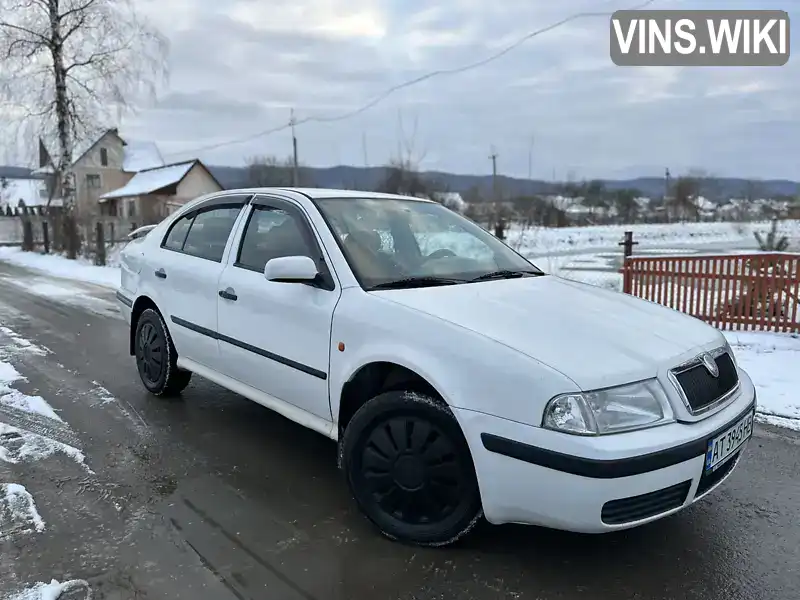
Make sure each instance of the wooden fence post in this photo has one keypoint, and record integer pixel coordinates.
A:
(27, 235)
(627, 251)
(100, 246)
(46, 237)
(112, 237)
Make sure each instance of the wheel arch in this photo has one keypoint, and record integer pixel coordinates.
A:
(378, 376)
(141, 304)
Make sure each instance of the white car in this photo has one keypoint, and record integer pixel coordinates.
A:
(458, 379)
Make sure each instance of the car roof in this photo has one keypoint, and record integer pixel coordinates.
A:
(322, 193)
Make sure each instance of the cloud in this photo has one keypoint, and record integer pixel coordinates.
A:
(240, 66)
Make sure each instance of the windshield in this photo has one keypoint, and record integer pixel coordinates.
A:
(415, 242)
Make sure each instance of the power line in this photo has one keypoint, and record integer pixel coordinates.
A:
(438, 73)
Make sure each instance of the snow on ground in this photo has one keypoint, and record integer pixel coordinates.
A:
(66, 292)
(16, 399)
(59, 266)
(18, 344)
(772, 361)
(17, 444)
(18, 513)
(535, 241)
(53, 590)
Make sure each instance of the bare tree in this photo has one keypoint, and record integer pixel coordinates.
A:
(625, 201)
(684, 198)
(402, 174)
(270, 171)
(71, 68)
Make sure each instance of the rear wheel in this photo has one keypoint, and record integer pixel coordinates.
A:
(410, 469)
(156, 357)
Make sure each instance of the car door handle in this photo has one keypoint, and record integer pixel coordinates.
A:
(228, 294)
(161, 273)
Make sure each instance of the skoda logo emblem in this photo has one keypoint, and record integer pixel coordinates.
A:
(710, 364)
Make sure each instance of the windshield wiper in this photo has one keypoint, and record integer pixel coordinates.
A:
(505, 274)
(413, 282)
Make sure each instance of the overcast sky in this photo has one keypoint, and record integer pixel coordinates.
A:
(239, 66)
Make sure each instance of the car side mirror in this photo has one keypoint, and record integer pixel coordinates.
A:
(291, 269)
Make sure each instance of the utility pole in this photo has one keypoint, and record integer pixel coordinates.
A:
(499, 224)
(295, 174)
(530, 159)
(493, 158)
(364, 147)
(667, 206)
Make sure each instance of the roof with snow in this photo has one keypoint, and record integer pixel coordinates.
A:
(140, 155)
(151, 181)
(31, 191)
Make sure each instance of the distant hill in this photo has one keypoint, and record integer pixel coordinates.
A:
(367, 178)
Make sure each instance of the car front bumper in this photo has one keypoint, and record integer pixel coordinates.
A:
(530, 475)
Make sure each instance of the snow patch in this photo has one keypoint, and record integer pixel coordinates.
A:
(53, 590)
(19, 343)
(103, 395)
(18, 513)
(18, 445)
(771, 360)
(16, 399)
(793, 424)
(8, 374)
(65, 293)
(61, 267)
(29, 404)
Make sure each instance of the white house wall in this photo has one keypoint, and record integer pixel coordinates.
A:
(196, 183)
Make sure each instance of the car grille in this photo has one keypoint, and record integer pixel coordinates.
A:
(635, 508)
(700, 388)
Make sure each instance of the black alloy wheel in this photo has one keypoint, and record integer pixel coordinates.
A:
(410, 469)
(150, 354)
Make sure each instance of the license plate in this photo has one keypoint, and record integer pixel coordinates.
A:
(722, 447)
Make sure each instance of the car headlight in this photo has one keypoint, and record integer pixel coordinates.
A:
(625, 408)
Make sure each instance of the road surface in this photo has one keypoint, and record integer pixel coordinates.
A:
(214, 497)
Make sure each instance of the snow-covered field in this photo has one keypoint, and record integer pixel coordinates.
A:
(547, 240)
(590, 255)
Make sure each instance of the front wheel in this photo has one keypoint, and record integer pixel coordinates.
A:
(156, 358)
(410, 469)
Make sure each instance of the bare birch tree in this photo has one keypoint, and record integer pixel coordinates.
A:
(70, 69)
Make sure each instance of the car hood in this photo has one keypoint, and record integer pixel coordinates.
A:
(594, 336)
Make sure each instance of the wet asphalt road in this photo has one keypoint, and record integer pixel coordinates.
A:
(215, 497)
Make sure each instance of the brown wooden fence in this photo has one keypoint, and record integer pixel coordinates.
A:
(759, 291)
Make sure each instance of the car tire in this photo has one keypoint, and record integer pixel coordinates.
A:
(410, 470)
(156, 358)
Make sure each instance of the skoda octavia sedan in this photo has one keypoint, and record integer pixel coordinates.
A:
(458, 379)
